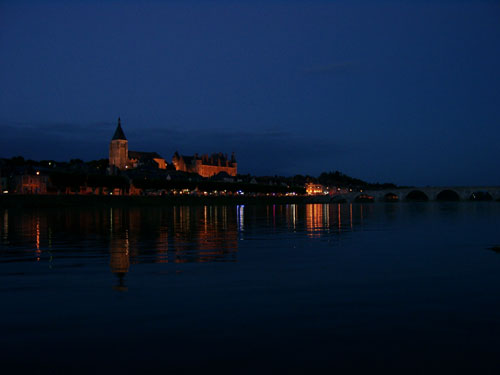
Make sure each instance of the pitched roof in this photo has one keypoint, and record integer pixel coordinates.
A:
(119, 134)
(143, 155)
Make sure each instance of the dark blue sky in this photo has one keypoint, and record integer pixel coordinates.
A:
(401, 91)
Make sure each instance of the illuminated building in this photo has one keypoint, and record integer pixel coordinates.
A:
(118, 149)
(121, 158)
(205, 165)
(315, 189)
(31, 183)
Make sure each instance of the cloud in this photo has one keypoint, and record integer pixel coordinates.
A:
(61, 128)
(217, 132)
(260, 151)
(340, 67)
(57, 140)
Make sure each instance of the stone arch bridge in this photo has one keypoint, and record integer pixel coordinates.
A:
(423, 194)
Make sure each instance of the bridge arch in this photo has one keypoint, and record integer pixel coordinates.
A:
(364, 198)
(480, 196)
(417, 195)
(448, 195)
(390, 197)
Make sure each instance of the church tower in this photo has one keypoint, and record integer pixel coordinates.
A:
(118, 149)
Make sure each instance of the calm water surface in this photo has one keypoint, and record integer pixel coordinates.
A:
(400, 288)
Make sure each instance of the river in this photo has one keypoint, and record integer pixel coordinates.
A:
(316, 288)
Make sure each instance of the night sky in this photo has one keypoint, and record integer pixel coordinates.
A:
(398, 91)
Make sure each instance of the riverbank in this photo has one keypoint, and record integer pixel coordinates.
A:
(42, 201)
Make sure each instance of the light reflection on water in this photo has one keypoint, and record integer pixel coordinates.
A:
(310, 288)
(161, 235)
(186, 234)
(179, 234)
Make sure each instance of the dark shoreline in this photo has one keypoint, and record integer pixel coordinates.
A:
(61, 201)
(47, 201)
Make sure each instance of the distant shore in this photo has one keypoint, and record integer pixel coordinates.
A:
(47, 201)
(58, 201)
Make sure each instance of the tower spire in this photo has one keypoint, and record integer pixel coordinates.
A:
(119, 134)
(118, 149)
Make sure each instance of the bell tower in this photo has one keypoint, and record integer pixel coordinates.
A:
(118, 149)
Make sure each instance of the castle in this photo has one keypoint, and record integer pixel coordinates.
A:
(206, 166)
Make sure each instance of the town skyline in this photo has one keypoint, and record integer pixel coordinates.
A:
(140, 142)
(405, 91)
